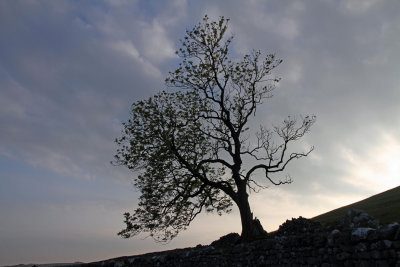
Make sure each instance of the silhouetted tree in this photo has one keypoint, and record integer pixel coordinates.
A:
(189, 145)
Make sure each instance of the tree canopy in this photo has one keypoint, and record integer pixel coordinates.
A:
(189, 144)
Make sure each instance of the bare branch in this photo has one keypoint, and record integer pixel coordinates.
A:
(288, 132)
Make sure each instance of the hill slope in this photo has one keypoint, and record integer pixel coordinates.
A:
(384, 206)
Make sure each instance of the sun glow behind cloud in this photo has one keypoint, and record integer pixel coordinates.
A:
(379, 168)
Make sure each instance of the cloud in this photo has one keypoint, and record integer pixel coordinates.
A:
(359, 6)
(128, 48)
(377, 167)
(61, 100)
(69, 92)
(70, 70)
(158, 46)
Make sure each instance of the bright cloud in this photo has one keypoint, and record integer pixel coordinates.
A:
(379, 168)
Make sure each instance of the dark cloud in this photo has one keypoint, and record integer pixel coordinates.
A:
(65, 84)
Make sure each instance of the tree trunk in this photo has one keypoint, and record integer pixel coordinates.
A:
(251, 227)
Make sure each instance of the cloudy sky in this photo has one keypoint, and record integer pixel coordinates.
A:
(69, 71)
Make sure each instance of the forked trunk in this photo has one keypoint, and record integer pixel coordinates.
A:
(251, 227)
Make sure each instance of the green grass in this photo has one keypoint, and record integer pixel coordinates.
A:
(384, 206)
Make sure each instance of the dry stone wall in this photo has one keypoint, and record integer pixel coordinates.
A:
(358, 240)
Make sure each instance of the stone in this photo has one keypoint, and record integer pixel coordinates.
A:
(348, 263)
(382, 263)
(396, 244)
(365, 264)
(394, 254)
(312, 261)
(397, 235)
(333, 236)
(363, 255)
(361, 247)
(335, 233)
(261, 259)
(298, 242)
(387, 243)
(342, 256)
(388, 231)
(357, 218)
(375, 254)
(361, 233)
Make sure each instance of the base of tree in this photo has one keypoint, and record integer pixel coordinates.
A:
(256, 232)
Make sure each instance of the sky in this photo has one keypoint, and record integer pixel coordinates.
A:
(69, 71)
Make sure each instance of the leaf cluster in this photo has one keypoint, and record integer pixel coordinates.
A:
(163, 139)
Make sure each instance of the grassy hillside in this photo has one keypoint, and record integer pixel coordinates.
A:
(384, 206)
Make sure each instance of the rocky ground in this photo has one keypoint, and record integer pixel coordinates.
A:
(357, 240)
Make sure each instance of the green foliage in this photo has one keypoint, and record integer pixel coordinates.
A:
(163, 134)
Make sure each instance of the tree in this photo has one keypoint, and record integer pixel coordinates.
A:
(190, 145)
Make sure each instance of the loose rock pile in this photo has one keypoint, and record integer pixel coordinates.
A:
(358, 218)
(300, 225)
(226, 240)
(358, 240)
